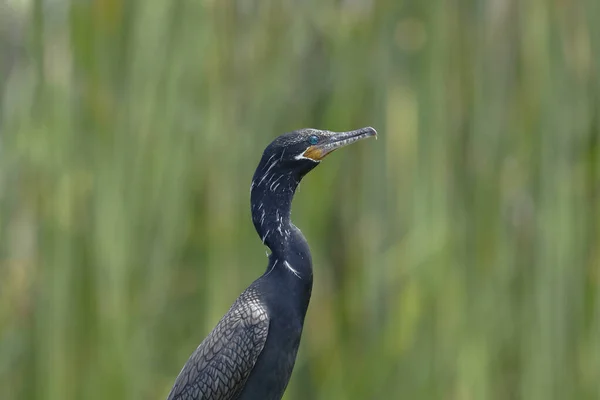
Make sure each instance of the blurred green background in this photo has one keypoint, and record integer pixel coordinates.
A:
(456, 258)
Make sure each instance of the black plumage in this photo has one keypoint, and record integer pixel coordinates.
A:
(251, 352)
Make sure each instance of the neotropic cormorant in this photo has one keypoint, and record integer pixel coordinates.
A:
(251, 352)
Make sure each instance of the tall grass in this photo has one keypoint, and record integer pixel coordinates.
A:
(458, 257)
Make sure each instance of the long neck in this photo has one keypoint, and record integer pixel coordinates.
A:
(272, 192)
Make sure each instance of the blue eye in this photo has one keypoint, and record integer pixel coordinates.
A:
(313, 140)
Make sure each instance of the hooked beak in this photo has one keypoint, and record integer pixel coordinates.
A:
(336, 140)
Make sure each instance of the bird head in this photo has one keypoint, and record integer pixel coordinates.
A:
(302, 150)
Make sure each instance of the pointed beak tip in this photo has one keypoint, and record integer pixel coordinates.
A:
(370, 131)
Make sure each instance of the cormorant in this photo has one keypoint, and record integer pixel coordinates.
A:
(251, 352)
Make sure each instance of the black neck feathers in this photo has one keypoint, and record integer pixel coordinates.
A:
(271, 194)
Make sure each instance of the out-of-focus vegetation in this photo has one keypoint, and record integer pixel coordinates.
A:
(458, 257)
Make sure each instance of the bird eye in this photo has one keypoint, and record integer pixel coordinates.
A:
(313, 140)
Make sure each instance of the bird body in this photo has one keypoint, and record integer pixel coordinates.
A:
(273, 368)
(251, 352)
